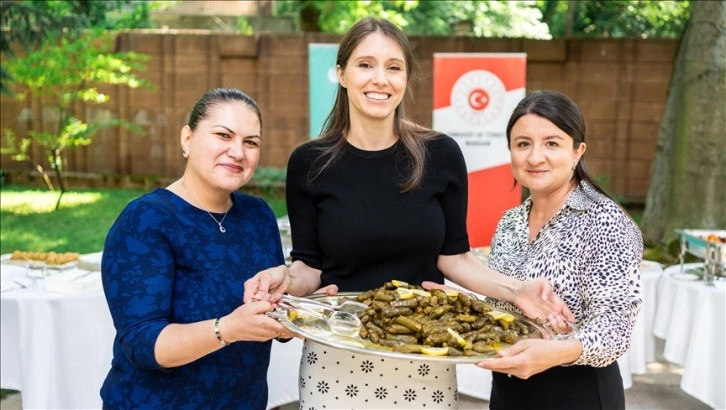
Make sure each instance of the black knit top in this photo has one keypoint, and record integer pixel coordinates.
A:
(353, 222)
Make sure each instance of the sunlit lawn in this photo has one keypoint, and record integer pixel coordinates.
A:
(28, 221)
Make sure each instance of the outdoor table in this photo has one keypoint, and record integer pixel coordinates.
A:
(691, 317)
(283, 373)
(55, 348)
(642, 344)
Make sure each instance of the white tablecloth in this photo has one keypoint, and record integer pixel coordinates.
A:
(283, 373)
(642, 344)
(691, 317)
(56, 349)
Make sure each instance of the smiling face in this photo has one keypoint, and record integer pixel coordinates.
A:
(224, 148)
(543, 155)
(375, 78)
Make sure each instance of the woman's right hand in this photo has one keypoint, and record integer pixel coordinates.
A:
(267, 285)
(250, 322)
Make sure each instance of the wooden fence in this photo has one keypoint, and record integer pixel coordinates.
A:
(621, 85)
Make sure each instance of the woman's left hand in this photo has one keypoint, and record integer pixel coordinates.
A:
(531, 356)
(267, 285)
(538, 301)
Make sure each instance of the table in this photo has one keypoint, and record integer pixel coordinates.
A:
(691, 318)
(642, 344)
(283, 373)
(56, 349)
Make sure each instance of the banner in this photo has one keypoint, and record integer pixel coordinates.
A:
(323, 84)
(474, 95)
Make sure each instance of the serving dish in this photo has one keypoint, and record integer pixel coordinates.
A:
(685, 276)
(650, 265)
(32, 263)
(35, 264)
(694, 242)
(709, 245)
(315, 329)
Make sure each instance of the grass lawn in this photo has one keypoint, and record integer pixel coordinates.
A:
(28, 221)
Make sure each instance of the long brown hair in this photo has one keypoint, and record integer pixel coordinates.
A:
(412, 136)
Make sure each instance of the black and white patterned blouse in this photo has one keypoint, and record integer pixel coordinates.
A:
(590, 251)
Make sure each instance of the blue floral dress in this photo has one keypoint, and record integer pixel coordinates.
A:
(166, 261)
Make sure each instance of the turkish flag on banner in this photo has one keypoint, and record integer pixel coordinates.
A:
(474, 95)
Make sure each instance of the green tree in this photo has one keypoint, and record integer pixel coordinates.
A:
(497, 18)
(486, 18)
(338, 16)
(63, 76)
(615, 18)
(688, 173)
(27, 23)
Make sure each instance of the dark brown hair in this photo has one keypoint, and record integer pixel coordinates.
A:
(216, 96)
(566, 115)
(332, 140)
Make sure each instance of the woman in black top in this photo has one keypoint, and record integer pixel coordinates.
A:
(378, 198)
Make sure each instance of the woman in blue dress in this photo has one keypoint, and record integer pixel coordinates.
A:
(174, 266)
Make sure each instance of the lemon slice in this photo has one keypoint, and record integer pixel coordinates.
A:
(460, 340)
(421, 292)
(507, 318)
(435, 351)
(451, 292)
(399, 283)
(497, 315)
(405, 293)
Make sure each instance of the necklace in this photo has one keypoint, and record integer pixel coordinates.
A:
(219, 223)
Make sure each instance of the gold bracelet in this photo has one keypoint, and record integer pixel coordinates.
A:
(219, 335)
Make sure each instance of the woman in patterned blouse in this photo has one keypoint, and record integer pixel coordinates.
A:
(174, 267)
(571, 232)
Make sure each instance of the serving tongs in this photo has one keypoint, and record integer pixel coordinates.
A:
(340, 319)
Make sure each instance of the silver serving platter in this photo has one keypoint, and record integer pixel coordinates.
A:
(322, 334)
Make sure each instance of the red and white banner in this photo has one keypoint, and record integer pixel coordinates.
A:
(474, 95)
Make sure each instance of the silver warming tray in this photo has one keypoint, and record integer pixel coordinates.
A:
(709, 245)
(694, 241)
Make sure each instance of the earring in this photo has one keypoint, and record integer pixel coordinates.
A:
(185, 154)
(574, 165)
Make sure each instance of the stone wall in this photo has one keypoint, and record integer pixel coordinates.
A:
(621, 86)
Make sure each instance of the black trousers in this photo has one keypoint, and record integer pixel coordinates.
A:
(567, 388)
